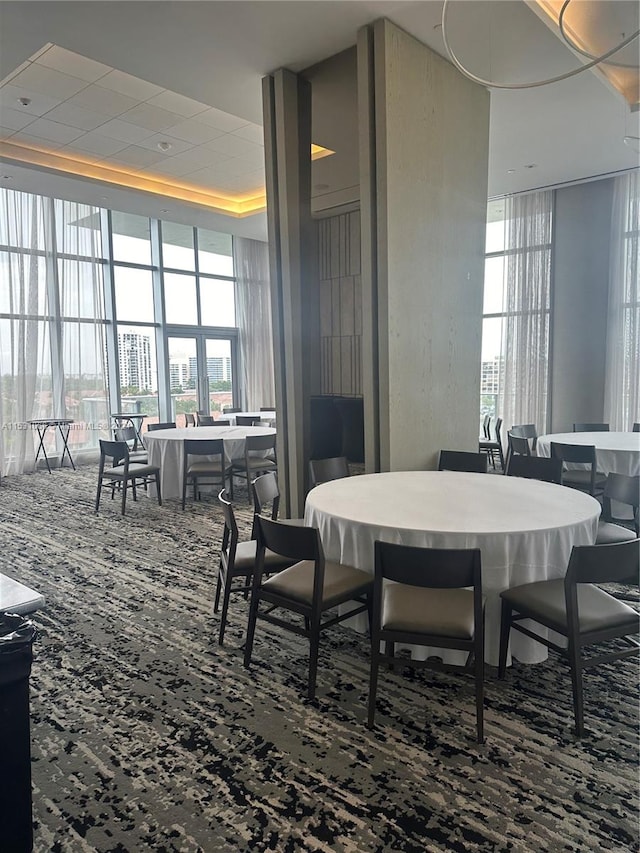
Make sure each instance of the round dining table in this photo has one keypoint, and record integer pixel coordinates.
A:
(165, 449)
(616, 452)
(525, 530)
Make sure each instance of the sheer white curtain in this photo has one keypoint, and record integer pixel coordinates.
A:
(51, 324)
(526, 303)
(622, 384)
(253, 316)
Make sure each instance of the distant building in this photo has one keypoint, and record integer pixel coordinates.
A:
(134, 358)
(180, 374)
(218, 368)
(491, 375)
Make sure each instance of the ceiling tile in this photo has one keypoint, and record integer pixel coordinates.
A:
(39, 105)
(173, 166)
(233, 145)
(178, 104)
(37, 141)
(124, 131)
(195, 158)
(15, 119)
(96, 143)
(76, 116)
(135, 156)
(153, 118)
(221, 120)
(193, 131)
(72, 63)
(127, 84)
(251, 132)
(53, 131)
(46, 81)
(103, 101)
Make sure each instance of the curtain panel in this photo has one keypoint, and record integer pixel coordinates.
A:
(622, 382)
(52, 350)
(253, 316)
(526, 305)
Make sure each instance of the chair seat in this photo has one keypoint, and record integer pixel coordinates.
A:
(255, 463)
(135, 470)
(205, 468)
(246, 557)
(420, 610)
(609, 533)
(296, 583)
(597, 609)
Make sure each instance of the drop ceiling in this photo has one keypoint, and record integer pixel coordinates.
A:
(109, 82)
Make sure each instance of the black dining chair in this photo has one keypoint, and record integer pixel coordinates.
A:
(247, 420)
(579, 610)
(164, 425)
(213, 470)
(428, 597)
(493, 446)
(594, 427)
(124, 473)
(535, 468)
(325, 470)
(587, 480)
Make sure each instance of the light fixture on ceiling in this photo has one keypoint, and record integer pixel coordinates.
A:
(163, 145)
(632, 142)
(24, 102)
(558, 18)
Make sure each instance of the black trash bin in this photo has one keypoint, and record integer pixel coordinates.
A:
(16, 638)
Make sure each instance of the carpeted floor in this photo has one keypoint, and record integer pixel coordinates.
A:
(146, 736)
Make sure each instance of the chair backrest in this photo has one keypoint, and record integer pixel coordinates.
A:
(166, 425)
(526, 431)
(435, 568)
(189, 419)
(219, 422)
(624, 489)
(636, 427)
(498, 431)
(204, 420)
(230, 534)
(259, 443)
(247, 420)
(603, 563)
(584, 454)
(194, 447)
(266, 491)
(267, 408)
(535, 467)
(591, 427)
(118, 451)
(518, 444)
(230, 410)
(462, 460)
(296, 543)
(325, 470)
(128, 435)
(485, 426)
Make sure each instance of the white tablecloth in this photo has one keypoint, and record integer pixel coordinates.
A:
(525, 529)
(617, 452)
(269, 416)
(165, 448)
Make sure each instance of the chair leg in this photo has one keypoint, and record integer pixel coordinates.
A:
(251, 627)
(216, 603)
(184, 492)
(124, 495)
(98, 494)
(313, 657)
(480, 701)
(226, 595)
(373, 685)
(390, 651)
(575, 660)
(505, 630)
(158, 489)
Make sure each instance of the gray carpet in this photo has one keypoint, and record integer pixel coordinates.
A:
(148, 736)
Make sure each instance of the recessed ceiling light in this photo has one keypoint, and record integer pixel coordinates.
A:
(164, 210)
(163, 145)
(510, 171)
(7, 177)
(24, 102)
(531, 166)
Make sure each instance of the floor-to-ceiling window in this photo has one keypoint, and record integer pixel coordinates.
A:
(517, 307)
(92, 306)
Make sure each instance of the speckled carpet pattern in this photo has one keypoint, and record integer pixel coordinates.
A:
(147, 736)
